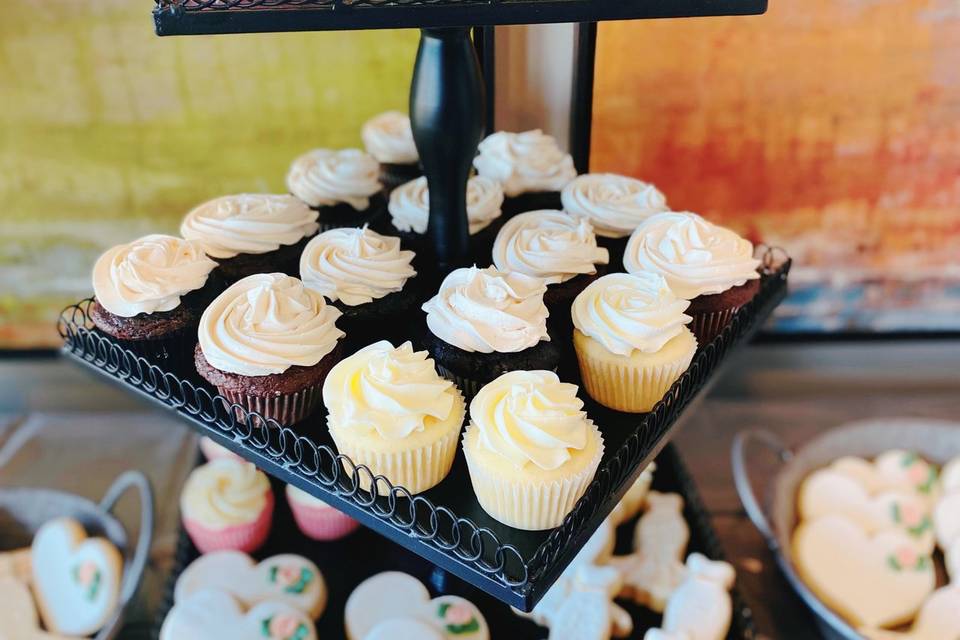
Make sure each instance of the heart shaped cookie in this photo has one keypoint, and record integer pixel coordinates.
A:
(938, 619)
(209, 613)
(872, 581)
(76, 580)
(18, 618)
(946, 519)
(894, 470)
(951, 558)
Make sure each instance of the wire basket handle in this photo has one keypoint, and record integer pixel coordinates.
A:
(133, 574)
(741, 478)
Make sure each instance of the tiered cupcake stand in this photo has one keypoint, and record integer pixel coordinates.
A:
(445, 525)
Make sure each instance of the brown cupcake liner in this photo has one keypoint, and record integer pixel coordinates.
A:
(286, 409)
(707, 326)
(170, 352)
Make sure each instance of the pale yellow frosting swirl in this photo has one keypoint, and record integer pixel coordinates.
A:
(389, 138)
(224, 493)
(266, 323)
(410, 204)
(530, 417)
(627, 312)
(695, 256)
(614, 204)
(393, 392)
(325, 177)
(149, 275)
(248, 223)
(355, 266)
(524, 162)
(548, 244)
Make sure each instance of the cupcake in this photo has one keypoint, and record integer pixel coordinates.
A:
(213, 451)
(389, 139)
(530, 449)
(615, 205)
(251, 233)
(368, 278)
(149, 294)
(390, 411)
(553, 246)
(267, 343)
(630, 340)
(316, 519)
(529, 165)
(709, 265)
(227, 505)
(343, 186)
(484, 322)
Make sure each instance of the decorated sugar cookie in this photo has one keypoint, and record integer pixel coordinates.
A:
(939, 619)
(700, 608)
(872, 581)
(18, 618)
(950, 476)
(76, 580)
(404, 629)
(286, 578)
(951, 558)
(897, 469)
(946, 519)
(208, 613)
(636, 496)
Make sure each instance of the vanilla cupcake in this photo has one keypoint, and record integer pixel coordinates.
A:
(483, 322)
(630, 340)
(709, 265)
(316, 519)
(388, 409)
(530, 449)
(388, 137)
(531, 167)
(342, 186)
(149, 294)
(251, 233)
(267, 343)
(227, 505)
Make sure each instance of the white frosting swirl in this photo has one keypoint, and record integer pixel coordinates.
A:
(225, 492)
(530, 417)
(248, 223)
(410, 204)
(389, 138)
(614, 204)
(393, 392)
(355, 266)
(548, 244)
(524, 162)
(695, 256)
(149, 274)
(627, 312)
(486, 311)
(324, 177)
(266, 323)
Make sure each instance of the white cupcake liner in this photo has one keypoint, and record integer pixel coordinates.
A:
(624, 386)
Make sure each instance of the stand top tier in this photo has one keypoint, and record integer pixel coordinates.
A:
(193, 17)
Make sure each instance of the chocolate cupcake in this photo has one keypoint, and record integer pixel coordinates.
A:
(530, 166)
(267, 344)
(484, 322)
(368, 278)
(149, 294)
(615, 205)
(251, 233)
(709, 265)
(389, 138)
(342, 186)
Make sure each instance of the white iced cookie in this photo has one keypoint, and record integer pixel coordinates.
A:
(210, 613)
(655, 569)
(290, 579)
(951, 558)
(635, 498)
(873, 581)
(393, 595)
(946, 519)
(938, 619)
(950, 476)
(18, 618)
(700, 608)
(76, 579)
(894, 470)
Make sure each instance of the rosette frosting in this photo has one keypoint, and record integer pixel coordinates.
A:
(325, 177)
(695, 256)
(149, 274)
(266, 323)
(614, 204)
(389, 138)
(224, 492)
(524, 162)
(393, 392)
(248, 223)
(355, 266)
(530, 417)
(487, 310)
(410, 204)
(548, 244)
(627, 312)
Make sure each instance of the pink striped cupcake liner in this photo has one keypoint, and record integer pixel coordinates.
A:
(242, 537)
(322, 523)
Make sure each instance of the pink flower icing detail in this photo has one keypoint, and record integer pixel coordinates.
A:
(458, 614)
(283, 625)
(911, 515)
(288, 574)
(906, 556)
(917, 473)
(86, 573)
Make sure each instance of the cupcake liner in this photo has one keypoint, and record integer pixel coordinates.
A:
(322, 523)
(707, 326)
(286, 409)
(213, 451)
(241, 537)
(531, 506)
(173, 351)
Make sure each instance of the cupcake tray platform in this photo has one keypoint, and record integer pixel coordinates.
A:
(446, 524)
(348, 561)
